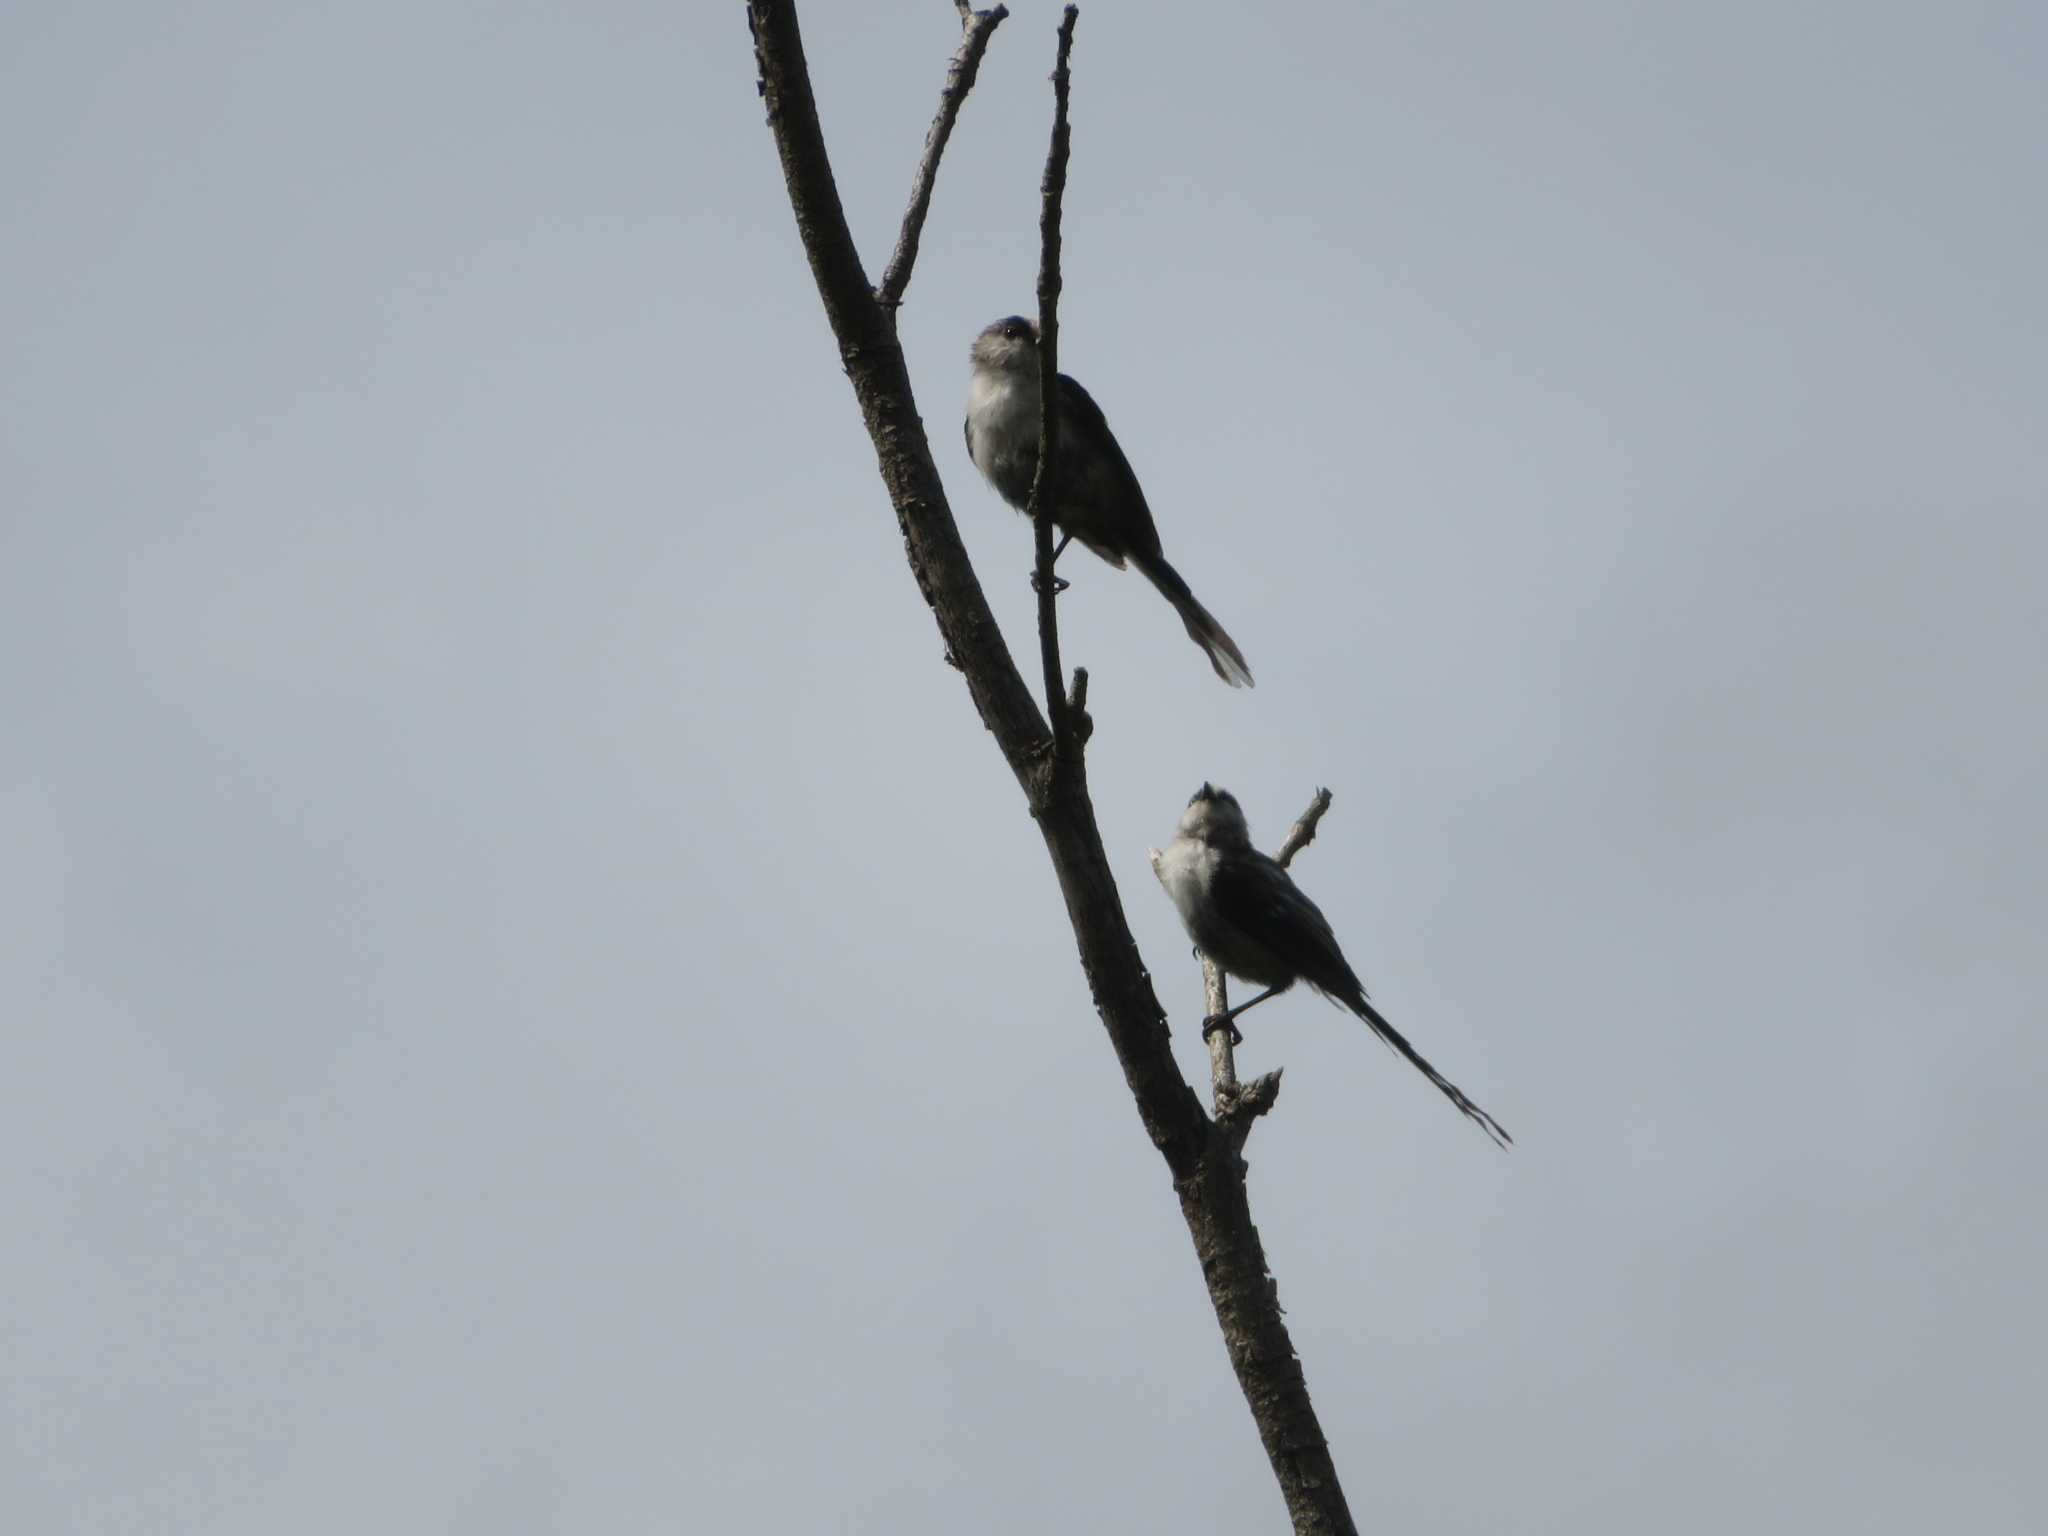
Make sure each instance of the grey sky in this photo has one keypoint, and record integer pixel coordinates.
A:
(532, 1004)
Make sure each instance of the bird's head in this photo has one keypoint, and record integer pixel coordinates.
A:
(1213, 816)
(1008, 346)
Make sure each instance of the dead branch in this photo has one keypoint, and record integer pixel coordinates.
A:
(1201, 1155)
(977, 28)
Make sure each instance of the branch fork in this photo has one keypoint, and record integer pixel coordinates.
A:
(1208, 1178)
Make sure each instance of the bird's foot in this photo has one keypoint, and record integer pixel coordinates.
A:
(1059, 584)
(1219, 1021)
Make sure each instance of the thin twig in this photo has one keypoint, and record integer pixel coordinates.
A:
(1303, 832)
(1042, 506)
(1236, 1105)
(1222, 1056)
(976, 28)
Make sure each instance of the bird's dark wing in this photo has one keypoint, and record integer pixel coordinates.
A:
(1081, 409)
(1254, 895)
(1097, 482)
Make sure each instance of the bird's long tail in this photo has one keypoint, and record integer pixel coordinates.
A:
(1202, 627)
(1357, 1004)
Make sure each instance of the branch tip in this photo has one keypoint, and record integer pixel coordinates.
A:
(976, 29)
(1303, 832)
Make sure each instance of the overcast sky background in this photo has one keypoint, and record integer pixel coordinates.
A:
(531, 1003)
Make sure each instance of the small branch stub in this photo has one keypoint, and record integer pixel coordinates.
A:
(1078, 718)
(1250, 1101)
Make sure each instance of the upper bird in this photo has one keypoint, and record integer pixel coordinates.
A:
(1246, 913)
(1095, 496)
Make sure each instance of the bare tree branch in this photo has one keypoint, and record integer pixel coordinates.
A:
(1041, 505)
(976, 30)
(873, 360)
(1236, 1104)
(1222, 1043)
(1201, 1155)
(1303, 832)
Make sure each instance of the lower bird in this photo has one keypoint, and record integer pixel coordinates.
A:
(1245, 913)
(1094, 493)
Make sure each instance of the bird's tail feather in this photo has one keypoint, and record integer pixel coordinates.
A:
(1357, 1004)
(1202, 627)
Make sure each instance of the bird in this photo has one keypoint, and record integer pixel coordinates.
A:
(1094, 494)
(1245, 913)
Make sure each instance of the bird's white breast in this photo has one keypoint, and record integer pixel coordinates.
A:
(1002, 417)
(1185, 868)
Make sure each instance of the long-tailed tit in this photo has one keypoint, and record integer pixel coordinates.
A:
(1095, 496)
(1244, 912)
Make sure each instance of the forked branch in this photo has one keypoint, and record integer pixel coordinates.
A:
(1202, 1157)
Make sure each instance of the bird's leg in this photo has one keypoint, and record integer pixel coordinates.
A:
(1216, 1021)
(1058, 586)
